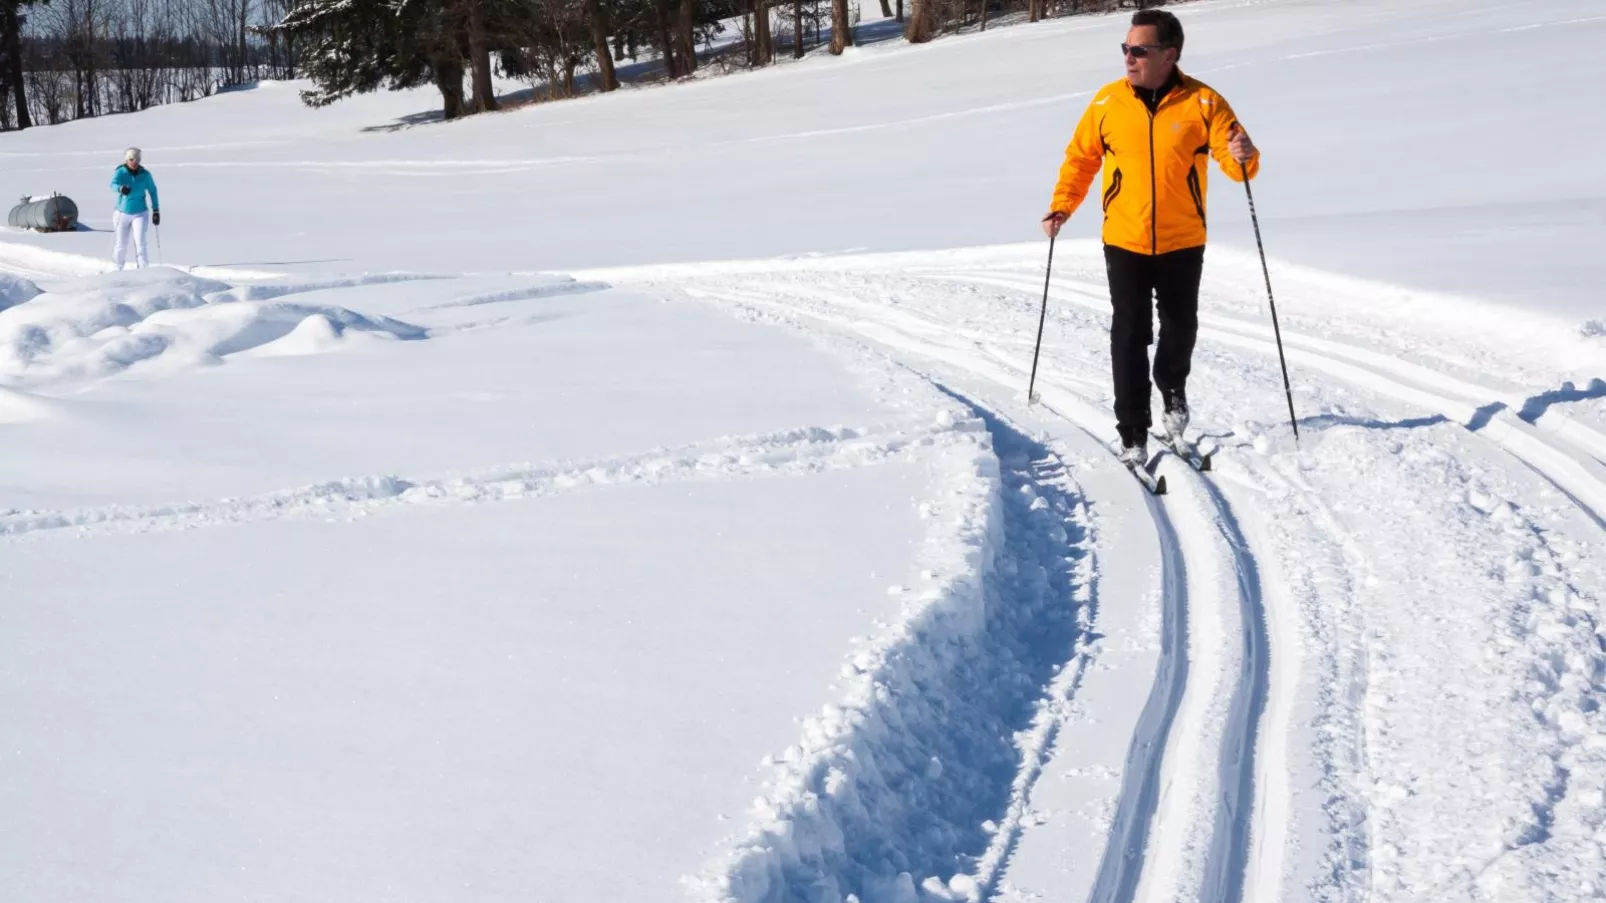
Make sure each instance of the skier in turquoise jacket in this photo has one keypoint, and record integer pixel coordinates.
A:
(132, 183)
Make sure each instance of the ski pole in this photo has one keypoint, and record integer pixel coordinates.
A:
(1266, 271)
(1031, 394)
(159, 258)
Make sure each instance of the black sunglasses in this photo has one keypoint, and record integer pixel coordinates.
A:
(1139, 51)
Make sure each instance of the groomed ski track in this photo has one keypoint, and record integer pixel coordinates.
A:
(1206, 808)
(1181, 828)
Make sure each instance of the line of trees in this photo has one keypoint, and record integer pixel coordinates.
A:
(355, 46)
(68, 59)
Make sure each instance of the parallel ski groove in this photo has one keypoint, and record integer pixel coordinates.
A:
(1125, 860)
(1124, 857)
(1226, 869)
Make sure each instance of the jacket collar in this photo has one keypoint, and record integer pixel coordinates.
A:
(1177, 83)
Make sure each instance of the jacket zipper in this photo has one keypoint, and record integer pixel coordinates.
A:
(1154, 193)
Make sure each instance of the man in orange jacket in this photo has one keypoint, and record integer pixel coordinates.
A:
(1152, 133)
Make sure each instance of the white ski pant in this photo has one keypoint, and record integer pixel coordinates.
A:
(131, 225)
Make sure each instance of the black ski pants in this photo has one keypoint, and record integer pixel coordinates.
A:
(1138, 284)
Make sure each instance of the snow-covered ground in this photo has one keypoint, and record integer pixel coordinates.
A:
(635, 498)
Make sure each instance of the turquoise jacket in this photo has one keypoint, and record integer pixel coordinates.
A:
(138, 183)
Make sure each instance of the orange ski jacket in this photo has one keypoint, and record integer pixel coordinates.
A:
(1154, 164)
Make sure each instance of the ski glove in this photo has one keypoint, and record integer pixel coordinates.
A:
(127, 190)
(156, 218)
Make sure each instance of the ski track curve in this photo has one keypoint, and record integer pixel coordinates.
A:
(1250, 856)
(1122, 863)
(1205, 812)
(1226, 869)
(920, 776)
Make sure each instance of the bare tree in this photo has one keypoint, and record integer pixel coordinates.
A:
(228, 24)
(135, 74)
(78, 27)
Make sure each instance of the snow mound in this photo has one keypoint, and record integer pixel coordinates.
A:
(15, 290)
(315, 334)
(163, 319)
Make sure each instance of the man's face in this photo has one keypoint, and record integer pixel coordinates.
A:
(1155, 65)
(133, 165)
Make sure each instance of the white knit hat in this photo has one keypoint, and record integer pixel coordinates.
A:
(131, 154)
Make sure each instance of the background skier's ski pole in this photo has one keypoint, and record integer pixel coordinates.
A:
(159, 261)
(1276, 330)
(1031, 385)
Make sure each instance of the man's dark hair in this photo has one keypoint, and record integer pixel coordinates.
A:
(1166, 23)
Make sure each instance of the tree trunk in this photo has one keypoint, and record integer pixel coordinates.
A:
(984, 14)
(764, 49)
(886, 9)
(920, 26)
(13, 26)
(245, 57)
(666, 42)
(900, 10)
(599, 37)
(479, 55)
(449, 79)
(90, 77)
(841, 31)
(797, 29)
(688, 36)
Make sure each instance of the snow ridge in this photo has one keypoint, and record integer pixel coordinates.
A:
(914, 784)
(802, 450)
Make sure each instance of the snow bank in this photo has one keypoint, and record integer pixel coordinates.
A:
(892, 794)
(96, 327)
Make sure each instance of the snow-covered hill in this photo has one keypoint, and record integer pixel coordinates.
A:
(635, 499)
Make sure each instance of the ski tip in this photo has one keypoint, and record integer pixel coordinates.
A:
(1204, 462)
(1159, 486)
